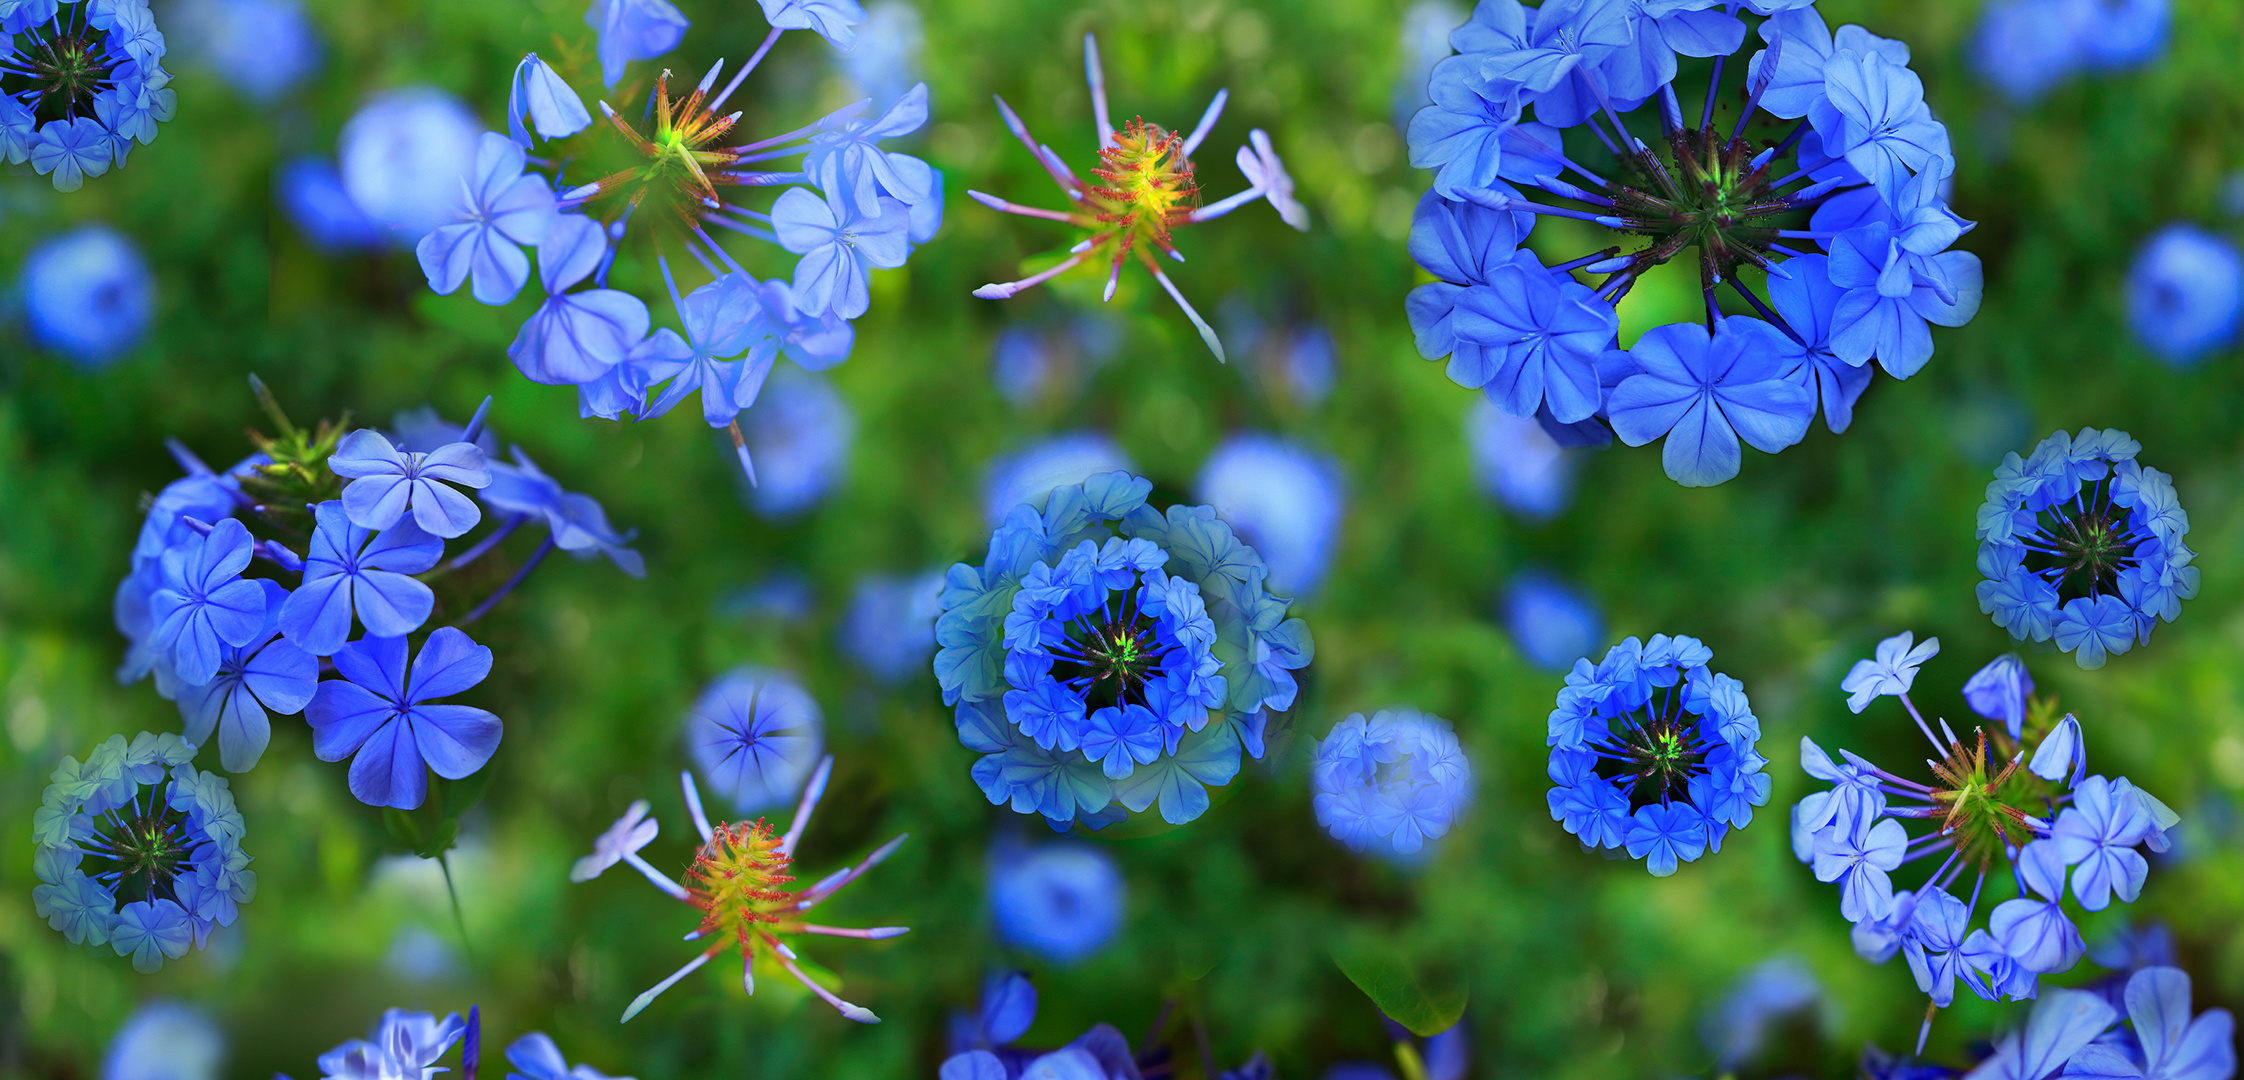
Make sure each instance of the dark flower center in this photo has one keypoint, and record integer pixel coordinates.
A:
(1109, 654)
(66, 70)
(1709, 193)
(137, 852)
(1655, 752)
(2082, 548)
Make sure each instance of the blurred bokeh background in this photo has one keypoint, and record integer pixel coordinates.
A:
(1445, 562)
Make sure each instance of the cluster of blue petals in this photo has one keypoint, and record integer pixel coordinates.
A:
(2085, 1033)
(2027, 47)
(2081, 543)
(1858, 279)
(406, 1044)
(849, 207)
(210, 611)
(80, 85)
(1098, 572)
(1649, 703)
(2185, 293)
(1391, 783)
(1852, 835)
(139, 851)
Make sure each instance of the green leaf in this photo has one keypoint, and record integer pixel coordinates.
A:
(1426, 997)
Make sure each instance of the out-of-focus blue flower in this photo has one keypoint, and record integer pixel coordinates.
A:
(2025, 47)
(839, 250)
(633, 30)
(204, 604)
(311, 191)
(1550, 623)
(268, 673)
(755, 734)
(1519, 463)
(1392, 783)
(784, 594)
(88, 295)
(147, 872)
(353, 570)
(2080, 542)
(578, 523)
(1031, 364)
(885, 62)
(262, 48)
(542, 97)
(402, 1044)
(403, 157)
(387, 722)
(1654, 752)
(1776, 989)
(1303, 362)
(1893, 671)
(1281, 497)
(890, 626)
(835, 20)
(503, 209)
(164, 1040)
(2123, 33)
(1026, 476)
(800, 436)
(1425, 42)
(2163, 1040)
(387, 483)
(540, 1058)
(2185, 294)
(1703, 394)
(1061, 901)
(419, 955)
(1097, 680)
(1999, 691)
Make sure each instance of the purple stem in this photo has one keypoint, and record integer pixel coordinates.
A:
(536, 557)
(1774, 318)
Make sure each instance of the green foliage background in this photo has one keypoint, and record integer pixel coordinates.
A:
(1575, 966)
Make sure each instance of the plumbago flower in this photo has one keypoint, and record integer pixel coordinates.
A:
(407, 1044)
(243, 581)
(1143, 192)
(1653, 752)
(1842, 211)
(2025, 804)
(139, 851)
(850, 207)
(1391, 784)
(80, 84)
(739, 883)
(1107, 656)
(2080, 542)
(2082, 1033)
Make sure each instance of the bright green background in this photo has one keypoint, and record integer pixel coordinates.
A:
(1577, 966)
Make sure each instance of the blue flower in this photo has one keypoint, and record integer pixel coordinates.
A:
(2080, 542)
(540, 1058)
(1519, 464)
(404, 155)
(546, 100)
(403, 1044)
(1463, 133)
(264, 48)
(2185, 294)
(2061, 757)
(1390, 784)
(755, 734)
(889, 628)
(723, 320)
(578, 524)
(1774, 990)
(576, 337)
(1859, 860)
(1873, 114)
(2164, 1042)
(840, 248)
(384, 717)
(2123, 33)
(1999, 691)
(1933, 941)
(88, 295)
(129, 860)
(1894, 670)
(2061, 1025)
(1891, 292)
(504, 209)
(2026, 47)
(1808, 303)
(886, 59)
(633, 30)
(1092, 608)
(1553, 57)
(1704, 393)
(2096, 836)
(386, 483)
(311, 191)
(165, 1040)
(1650, 728)
(1282, 498)
(1540, 340)
(1550, 623)
(268, 673)
(1061, 901)
(1028, 475)
(204, 604)
(800, 436)
(1797, 81)
(835, 20)
(2034, 929)
(1463, 244)
(846, 162)
(355, 570)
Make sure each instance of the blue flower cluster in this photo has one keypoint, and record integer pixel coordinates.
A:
(850, 207)
(1992, 803)
(1653, 752)
(1106, 656)
(232, 647)
(409, 1044)
(1541, 343)
(2079, 542)
(80, 84)
(1392, 783)
(139, 851)
(2026, 47)
(2081, 1033)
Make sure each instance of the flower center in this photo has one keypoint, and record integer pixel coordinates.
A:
(1657, 754)
(66, 71)
(736, 880)
(681, 165)
(1148, 185)
(2083, 551)
(1985, 815)
(137, 852)
(1711, 194)
(1114, 652)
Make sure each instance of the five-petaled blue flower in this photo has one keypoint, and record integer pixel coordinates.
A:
(270, 672)
(576, 337)
(1705, 393)
(840, 248)
(383, 716)
(1894, 670)
(204, 603)
(387, 483)
(835, 20)
(503, 209)
(355, 570)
